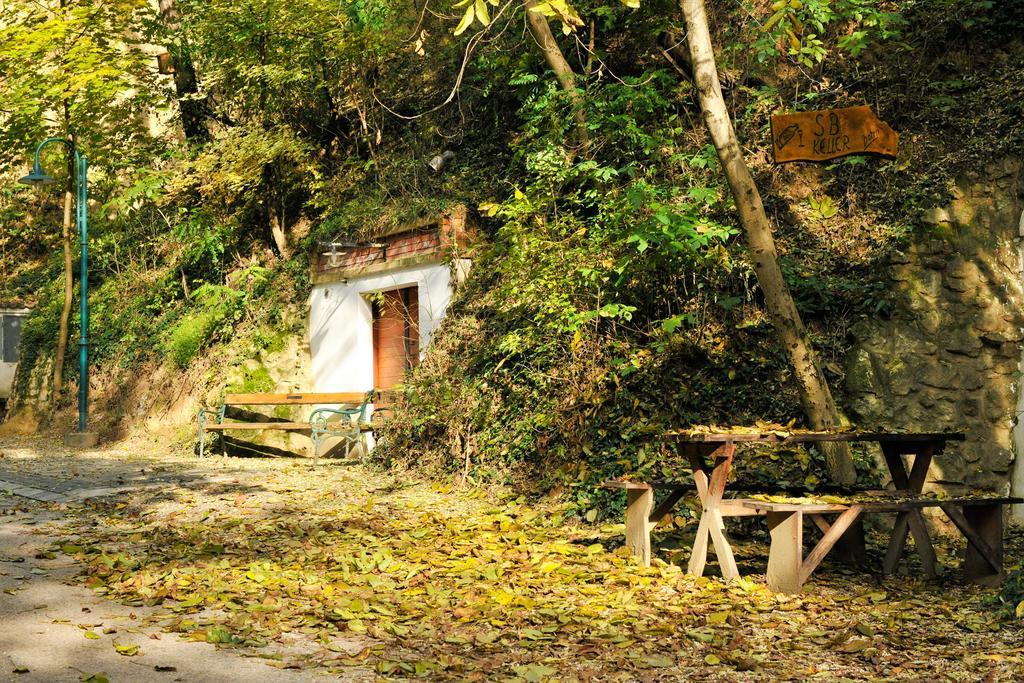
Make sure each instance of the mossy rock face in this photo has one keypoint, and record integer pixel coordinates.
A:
(255, 379)
(945, 358)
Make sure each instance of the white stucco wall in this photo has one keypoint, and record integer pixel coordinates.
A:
(341, 323)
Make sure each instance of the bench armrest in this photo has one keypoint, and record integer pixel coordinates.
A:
(204, 414)
(319, 419)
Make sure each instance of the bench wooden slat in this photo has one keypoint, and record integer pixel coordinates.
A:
(635, 485)
(783, 436)
(768, 506)
(294, 399)
(259, 426)
(905, 505)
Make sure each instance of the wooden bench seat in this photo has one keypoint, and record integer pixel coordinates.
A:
(283, 426)
(287, 426)
(349, 421)
(978, 518)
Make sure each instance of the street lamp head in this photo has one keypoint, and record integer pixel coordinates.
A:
(37, 177)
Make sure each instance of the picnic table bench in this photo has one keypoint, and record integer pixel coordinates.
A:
(350, 420)
(979, 519)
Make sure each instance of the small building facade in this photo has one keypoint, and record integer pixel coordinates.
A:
(375, 305)
(11, 319)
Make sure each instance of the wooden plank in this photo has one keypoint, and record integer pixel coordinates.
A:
(919, 468)
(627, 485)
(638, 530)
(665, 506)
(831, 133)
(259, 426)
(766, 506)
(912, 519)
(851, 548)
(820, 522)
(700, 481)
(827, 541)
(913, 504)
(695, 437)
(716, 529)
(897, 542)
(983, 530)
(720, 474)
(786, 552)
(294, 399)
(699, 551)
(737, 508)
(712, 503)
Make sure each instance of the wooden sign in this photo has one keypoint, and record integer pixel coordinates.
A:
(830, 134)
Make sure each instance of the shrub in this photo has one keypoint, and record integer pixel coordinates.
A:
(219, 306)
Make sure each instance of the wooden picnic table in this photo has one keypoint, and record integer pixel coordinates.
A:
(711, 454)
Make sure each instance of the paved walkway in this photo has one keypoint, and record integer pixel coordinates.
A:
(47, 489)
(54, 630)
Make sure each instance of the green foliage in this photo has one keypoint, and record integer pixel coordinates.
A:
(39, 333)
(610, 296)
(1011, 596)
(800, 28)
(60, 58)
(254, 381)
(218, 308)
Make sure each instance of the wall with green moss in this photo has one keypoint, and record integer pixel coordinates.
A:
(948, 357)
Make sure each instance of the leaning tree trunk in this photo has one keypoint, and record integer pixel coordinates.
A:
(815, 396)
(278, 229)
(541, 32)
(69, 265)
(69, 291)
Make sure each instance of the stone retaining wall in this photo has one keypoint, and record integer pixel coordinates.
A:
(949, 357)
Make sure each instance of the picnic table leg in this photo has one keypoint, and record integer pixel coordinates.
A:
(850, 546)
(911, 521)
(639, 503)
(710, 490)
(982, 525)
(786, 552)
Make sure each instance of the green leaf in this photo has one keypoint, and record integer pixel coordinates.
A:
(467, 20)
(534, 673)
(659, 661)
(482, 15)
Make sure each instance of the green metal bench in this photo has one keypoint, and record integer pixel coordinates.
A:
(350, 421)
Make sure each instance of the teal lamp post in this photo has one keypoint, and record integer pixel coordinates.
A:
(38, 178)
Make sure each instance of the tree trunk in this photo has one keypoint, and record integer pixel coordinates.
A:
(815, 396)
(69, 284)
(278, 230)
(541, 32)
(193, 109)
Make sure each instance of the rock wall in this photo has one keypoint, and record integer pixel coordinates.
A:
(949, 357)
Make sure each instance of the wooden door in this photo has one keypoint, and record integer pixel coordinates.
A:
(396, 336)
